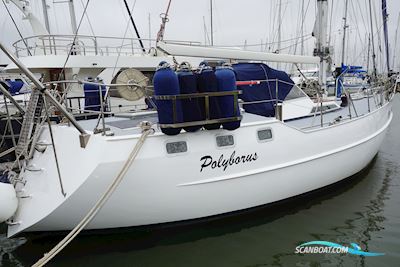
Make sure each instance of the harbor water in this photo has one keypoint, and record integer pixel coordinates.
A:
(364, 209)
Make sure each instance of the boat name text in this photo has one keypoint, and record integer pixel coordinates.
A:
(224, 163)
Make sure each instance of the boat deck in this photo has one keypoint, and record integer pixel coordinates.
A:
(128, 124)
(358, 108)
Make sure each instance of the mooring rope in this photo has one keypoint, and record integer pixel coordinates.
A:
(100, 203)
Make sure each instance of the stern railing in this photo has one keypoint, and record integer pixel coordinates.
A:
(86, 45)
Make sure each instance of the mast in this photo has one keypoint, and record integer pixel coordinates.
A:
(205, 31)
(372, 43)
(344, 33)
(211, 22)
(302, 27)
(46, 15)
(322, 50)
(36, 25)
(395, 42)
(149, 18)
(369, 48)
(279, 30)
(73, 16)
(385, 32)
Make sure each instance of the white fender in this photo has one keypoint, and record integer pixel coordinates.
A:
(8, 201)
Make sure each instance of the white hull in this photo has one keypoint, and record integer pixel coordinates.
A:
(161, 188)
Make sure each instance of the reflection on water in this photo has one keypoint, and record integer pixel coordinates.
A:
(7, 247)
(363, 210)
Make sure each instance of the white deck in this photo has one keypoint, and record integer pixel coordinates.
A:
(120, 126)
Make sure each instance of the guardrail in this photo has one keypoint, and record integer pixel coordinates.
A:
(57, 44)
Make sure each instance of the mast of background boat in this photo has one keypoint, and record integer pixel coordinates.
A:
(385, 33)
(73, 16)
(302, 30)
(149, 20)
(211, 23)
(372, 42)
(339, 80)
(205, 31)
(395, 42)
(46, 15)
(322, 50)
(369, 49)
(278, 65)
(36, 25)
(344, 33)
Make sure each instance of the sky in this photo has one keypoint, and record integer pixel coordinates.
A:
(250, 24)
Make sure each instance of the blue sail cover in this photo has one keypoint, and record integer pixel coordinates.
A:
(264, 90)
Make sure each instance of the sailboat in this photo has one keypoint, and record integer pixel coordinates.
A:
(143, 169)
(114, 60)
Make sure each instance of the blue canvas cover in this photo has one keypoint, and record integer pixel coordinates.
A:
(264, 90)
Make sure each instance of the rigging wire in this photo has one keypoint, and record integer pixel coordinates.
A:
(301, 36)
(292, 45)
(134, 26)
(122, 44)
(355, 21)
(74, 40)
(16, 26)
(122, 7)
(116, 62)
(280, 20)
(363, 48)
(164, 20)
(270, 43)
(361, 14)
(87, 17)
(272, 31)
(379, 54)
